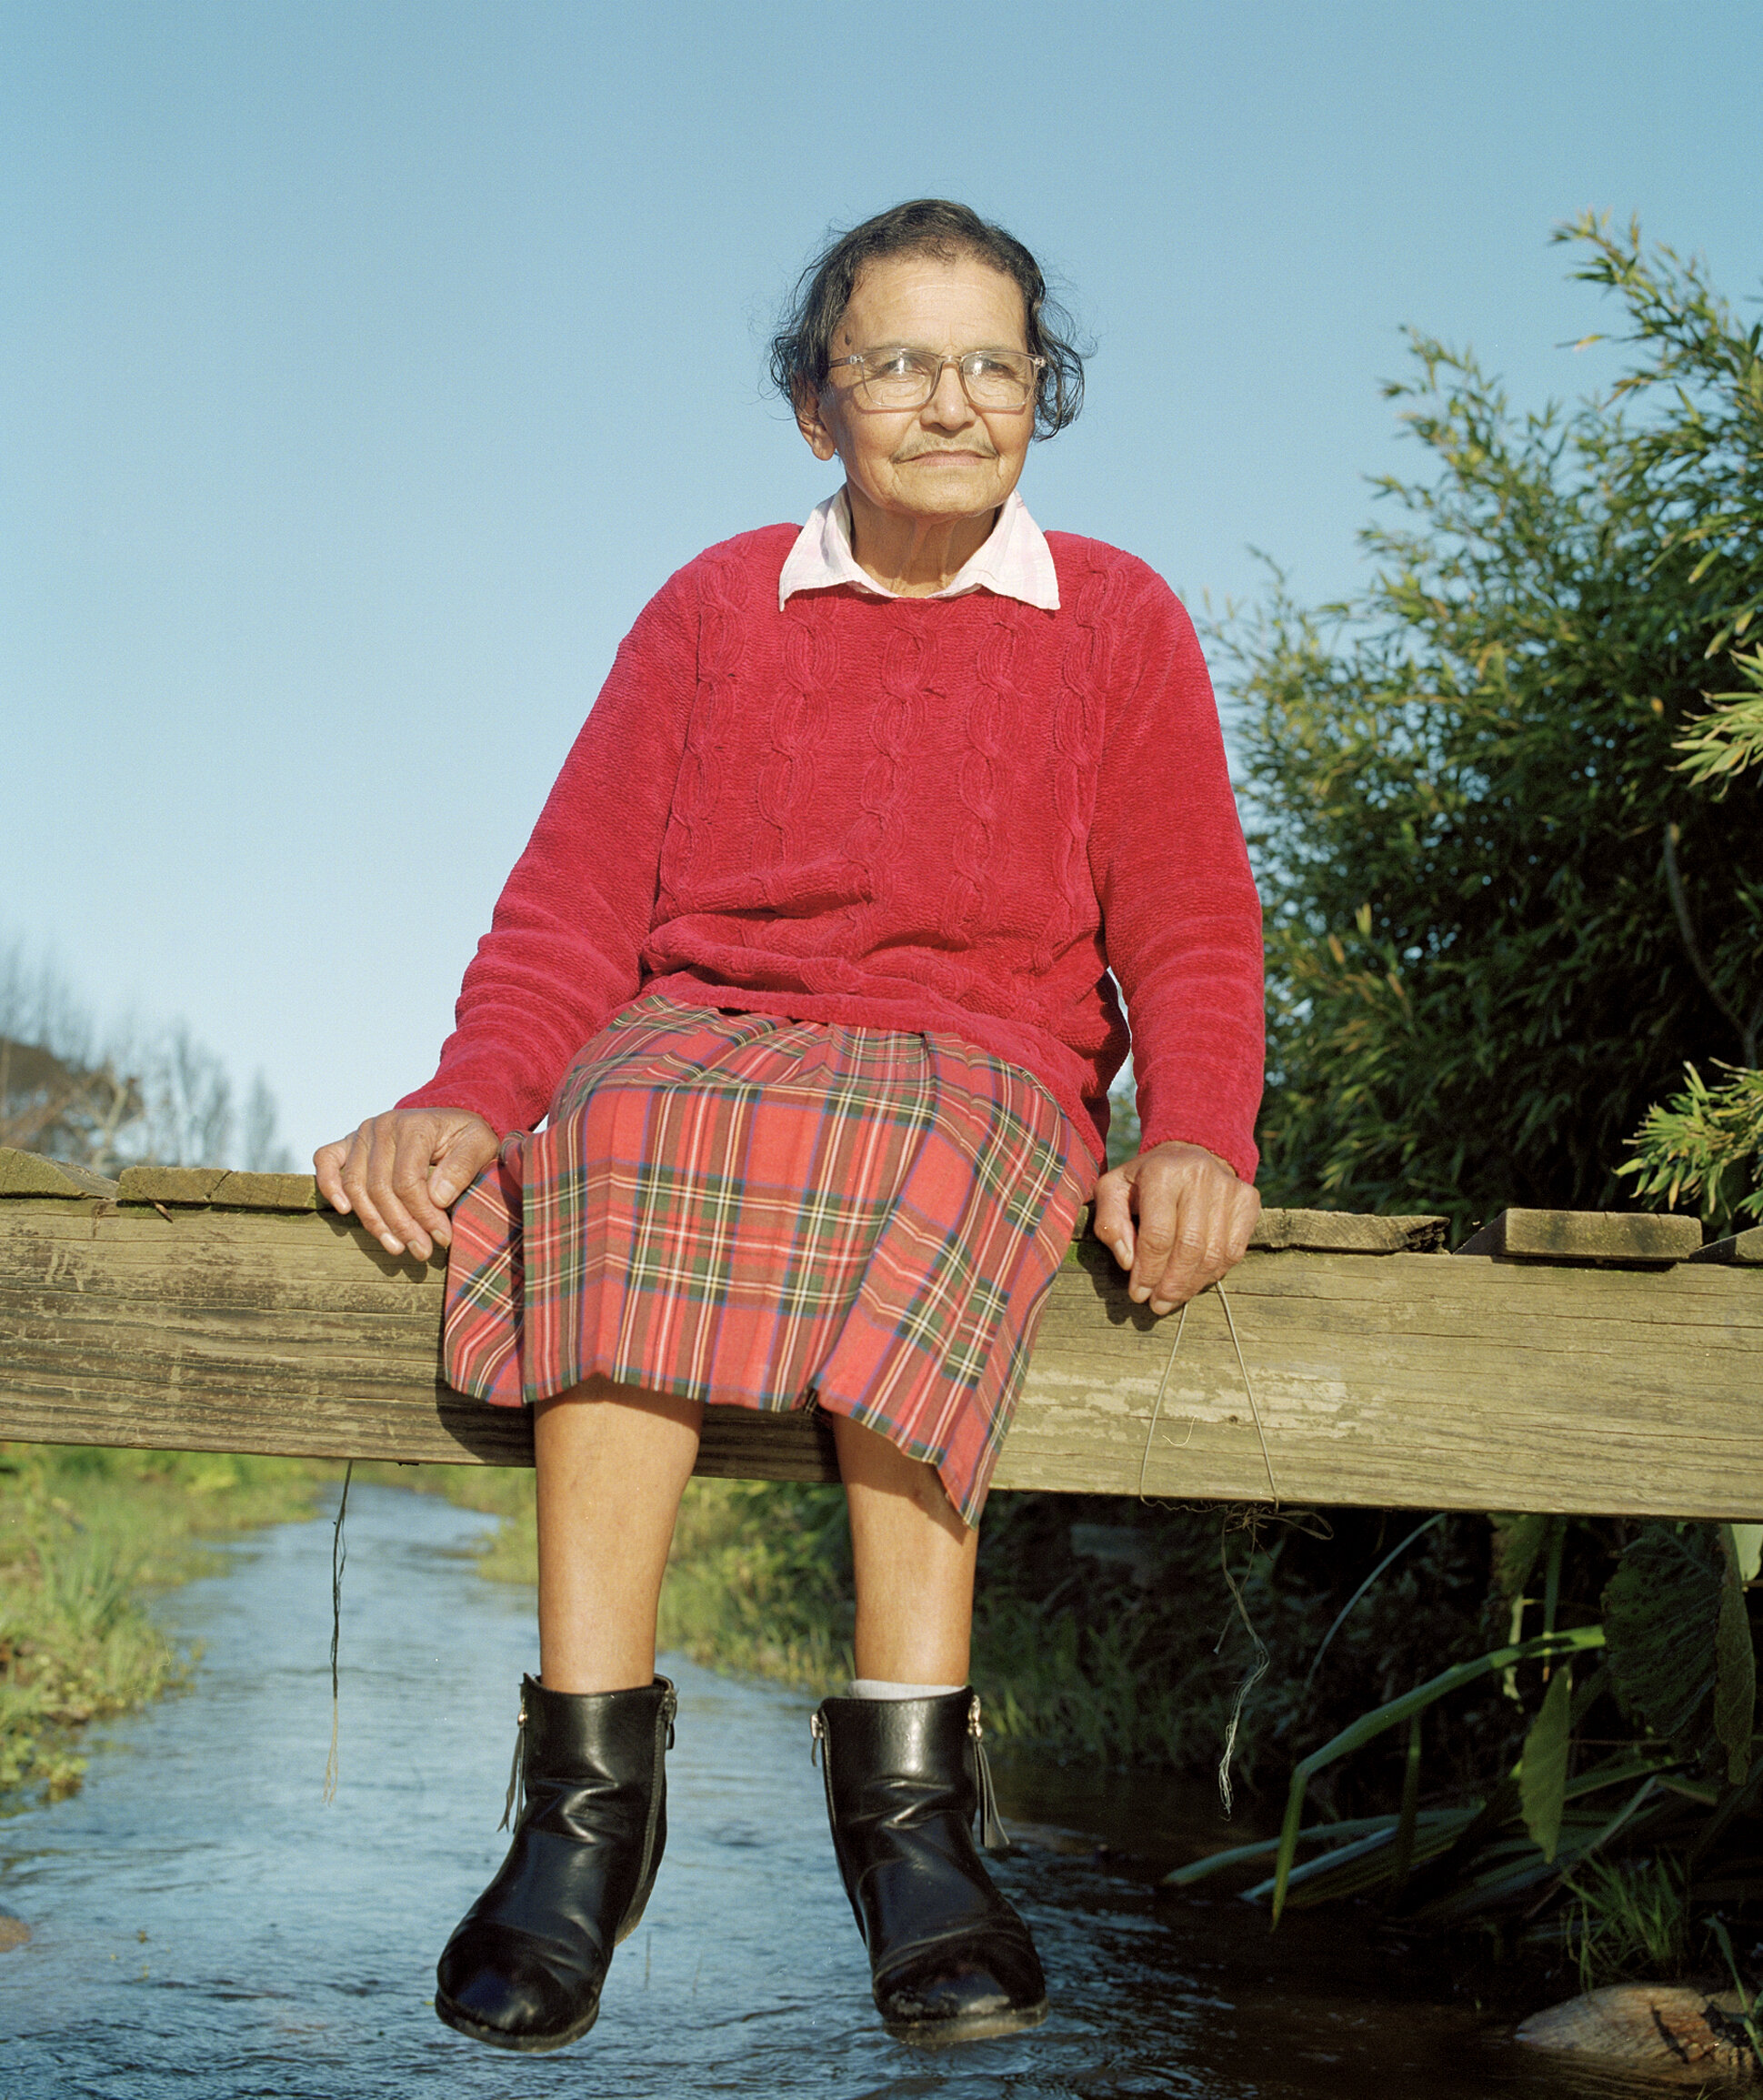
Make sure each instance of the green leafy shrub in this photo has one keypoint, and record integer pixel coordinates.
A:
(759, 1581)
(1619, 1819)
(1501, 919)
(1705, 1147)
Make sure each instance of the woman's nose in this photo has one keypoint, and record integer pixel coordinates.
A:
(948, 405)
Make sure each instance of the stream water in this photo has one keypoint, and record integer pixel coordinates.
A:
(204, 1922)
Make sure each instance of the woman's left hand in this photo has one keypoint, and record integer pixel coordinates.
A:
(1178, 1217)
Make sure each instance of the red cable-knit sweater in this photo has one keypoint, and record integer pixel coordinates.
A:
(951, 815)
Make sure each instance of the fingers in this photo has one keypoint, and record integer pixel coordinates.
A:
(460, 1162)
(375, 1181)
(383, 1173)
(327, 1164)
(1194, 1218)
(1111, 1220)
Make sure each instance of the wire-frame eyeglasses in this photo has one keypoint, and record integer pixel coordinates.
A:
(901, 378)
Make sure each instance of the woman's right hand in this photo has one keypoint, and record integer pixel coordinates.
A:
(401, 1173)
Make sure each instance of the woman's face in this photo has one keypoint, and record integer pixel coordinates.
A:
(945, 460)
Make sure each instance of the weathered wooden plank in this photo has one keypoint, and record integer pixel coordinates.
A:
(1402, 1380)
(294, 1335)
(1746, 1248)
(1320, 1231)
(1591, 1236)
(1347, 1233)
(169, 1184)
(1411, 1380)
(30, 1174)
(222, 1187)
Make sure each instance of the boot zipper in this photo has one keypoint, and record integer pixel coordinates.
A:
(517, 1772)
(992, 1833)
(664, 1737)
(821, 1747)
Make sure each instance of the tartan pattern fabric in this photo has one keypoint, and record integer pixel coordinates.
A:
(761, 1213)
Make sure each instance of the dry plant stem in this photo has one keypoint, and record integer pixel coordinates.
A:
(914, 1560)
(611, 1462)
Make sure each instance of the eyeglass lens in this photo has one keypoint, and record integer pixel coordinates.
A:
(907, 378)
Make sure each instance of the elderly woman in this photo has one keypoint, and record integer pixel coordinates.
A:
(809, 970)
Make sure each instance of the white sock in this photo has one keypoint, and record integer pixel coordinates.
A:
(880, 1688)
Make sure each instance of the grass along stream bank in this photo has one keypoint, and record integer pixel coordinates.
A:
(1088, 1640)
(86, 1535)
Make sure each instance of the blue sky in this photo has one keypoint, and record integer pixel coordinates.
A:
(367, 365)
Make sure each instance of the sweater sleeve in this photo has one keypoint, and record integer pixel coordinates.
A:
(1181, 921)
(561, 956)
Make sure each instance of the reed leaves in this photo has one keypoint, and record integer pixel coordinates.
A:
(1543, 1775)
(1370, 1725)
(1678, 1665)
(1734, 1680)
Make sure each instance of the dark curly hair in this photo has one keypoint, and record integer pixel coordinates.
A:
(801, 350)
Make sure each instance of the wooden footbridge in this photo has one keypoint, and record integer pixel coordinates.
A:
(1601, 1362)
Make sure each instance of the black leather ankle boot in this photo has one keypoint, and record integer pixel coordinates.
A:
(949, 1960)
(525, 1965)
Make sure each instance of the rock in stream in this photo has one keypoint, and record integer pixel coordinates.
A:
(1665, 2030)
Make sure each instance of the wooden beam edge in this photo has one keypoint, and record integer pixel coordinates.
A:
(1744, 1250)
(799, 1447)
(31, 1174)
(218, 1189)
(1281, 1232)
(1592, 1238)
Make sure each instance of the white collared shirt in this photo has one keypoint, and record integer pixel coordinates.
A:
(1014, 562)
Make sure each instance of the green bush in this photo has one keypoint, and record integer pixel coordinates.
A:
(1501, 917)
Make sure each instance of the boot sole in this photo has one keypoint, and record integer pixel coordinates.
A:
(499, 2038)
(977, 2027)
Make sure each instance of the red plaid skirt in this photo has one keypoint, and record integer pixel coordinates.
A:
(771, 1213)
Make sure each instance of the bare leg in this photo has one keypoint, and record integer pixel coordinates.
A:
(612, 1461)
(524, 1968)
(949, 1960)
(915, 1563)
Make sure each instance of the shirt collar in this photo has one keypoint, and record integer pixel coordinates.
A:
(1014, 562)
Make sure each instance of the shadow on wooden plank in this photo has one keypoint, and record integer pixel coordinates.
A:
(737, 1443)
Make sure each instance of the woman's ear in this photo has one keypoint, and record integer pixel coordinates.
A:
(812, 423)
